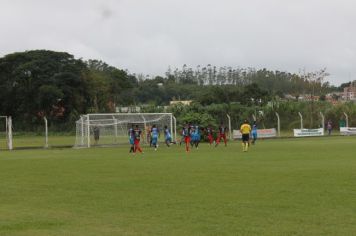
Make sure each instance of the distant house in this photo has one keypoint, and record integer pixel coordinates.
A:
(289, 97)
(308, 97)
(334, 97)
(183, 102)
(350, 92)
(132, 109)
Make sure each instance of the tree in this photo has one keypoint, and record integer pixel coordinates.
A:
(254, 95)
(56, 85)
(108, 86)
(34, 81)
(316, 82)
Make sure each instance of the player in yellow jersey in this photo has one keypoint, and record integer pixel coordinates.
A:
(245, 130)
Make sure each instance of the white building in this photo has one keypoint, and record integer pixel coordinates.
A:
(350, 92)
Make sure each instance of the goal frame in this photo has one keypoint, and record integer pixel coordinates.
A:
(85, 124)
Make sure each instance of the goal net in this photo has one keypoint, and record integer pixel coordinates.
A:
(112, 129)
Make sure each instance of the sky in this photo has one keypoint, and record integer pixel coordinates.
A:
(148, 36)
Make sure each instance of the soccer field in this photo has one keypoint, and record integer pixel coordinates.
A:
(280, 187)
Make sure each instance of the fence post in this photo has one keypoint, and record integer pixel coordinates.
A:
(171, 128)
(322, 120)
(175, 129)
(145, 128)
(278, 125)
(347, 119)
(88, 130)
(229, 121)
(301, 120)
(46, 132)
(9, 126)
(82, 130)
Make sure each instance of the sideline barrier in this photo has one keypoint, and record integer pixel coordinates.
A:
(261, 133)
(308, 132)
(347, 130)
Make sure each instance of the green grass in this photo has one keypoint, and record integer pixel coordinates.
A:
(31, 140)
(39, 141)
(280, 187)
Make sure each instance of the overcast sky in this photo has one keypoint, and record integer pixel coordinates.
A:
(147, 36)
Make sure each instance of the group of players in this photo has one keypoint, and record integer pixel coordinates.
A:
(135, 135)
(190, 135)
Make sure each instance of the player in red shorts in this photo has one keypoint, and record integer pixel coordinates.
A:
(222, 134)
(186, 133)
(137, 135)
(209, 133)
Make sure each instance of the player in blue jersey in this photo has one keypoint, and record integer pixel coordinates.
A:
(192, 135)
(167, 136)
(154, 137)
(196, 136)
(254, 132)
(132, 139)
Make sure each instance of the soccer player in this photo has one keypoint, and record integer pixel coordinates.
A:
(196, 136)
(329, 126)
(137, 135)
(148, 135)
(209, 133)
(245, 130)
(222, 134)
(192, 135)
(182, 138)
(167, 136)
(154, 137)
(254, 132)
(186, 132)
(132, 139)
(96, 135)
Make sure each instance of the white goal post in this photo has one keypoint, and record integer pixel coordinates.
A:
(105, 129)
(6, 128)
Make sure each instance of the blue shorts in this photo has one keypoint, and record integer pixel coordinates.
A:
(154, 140)
(168, 139)
(131, 140)
(254, 135)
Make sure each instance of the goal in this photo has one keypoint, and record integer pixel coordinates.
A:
(6, 132)
(107, 129)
